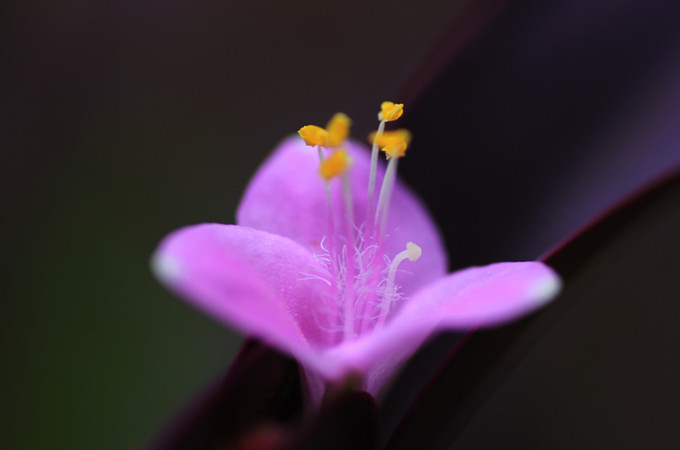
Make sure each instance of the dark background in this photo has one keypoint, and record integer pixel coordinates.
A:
(122, 121)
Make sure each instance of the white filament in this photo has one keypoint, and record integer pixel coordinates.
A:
(374, 168)
(385, 195)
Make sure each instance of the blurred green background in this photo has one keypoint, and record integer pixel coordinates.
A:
(123, 121)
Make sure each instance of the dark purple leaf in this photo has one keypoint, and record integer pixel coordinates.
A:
(535, 125)
(261, 388)
(596, 369)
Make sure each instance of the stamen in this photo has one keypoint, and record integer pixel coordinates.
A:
(384, 197)
(338, 129)
(390, 111)
(350, 276)
(412, 253)
(335, 164)
(349, 203)
(373, 171)
(333, 135)
(393, 143)
(313, 135)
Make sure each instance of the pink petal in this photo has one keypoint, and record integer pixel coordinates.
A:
(484, 296)
(286, 197)
(467, 299)
(257, 282)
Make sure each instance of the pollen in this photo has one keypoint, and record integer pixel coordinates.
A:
(313, 135)
(390, 111)
(393, 143)
(338, 129)
(335, 164)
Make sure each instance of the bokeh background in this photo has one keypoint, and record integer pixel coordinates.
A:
(122, 121)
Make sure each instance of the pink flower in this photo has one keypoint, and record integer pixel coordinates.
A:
(348, 286)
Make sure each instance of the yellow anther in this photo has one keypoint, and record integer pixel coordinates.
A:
(338, 129)
(393, 143)
(335, 164)
(313, 135)
(390, 111)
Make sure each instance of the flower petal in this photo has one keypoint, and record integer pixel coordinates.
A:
(286, 197)
(260, 283)
(484, 296)
(470, 298)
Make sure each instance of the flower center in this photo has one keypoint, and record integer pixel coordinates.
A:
(364, 275)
